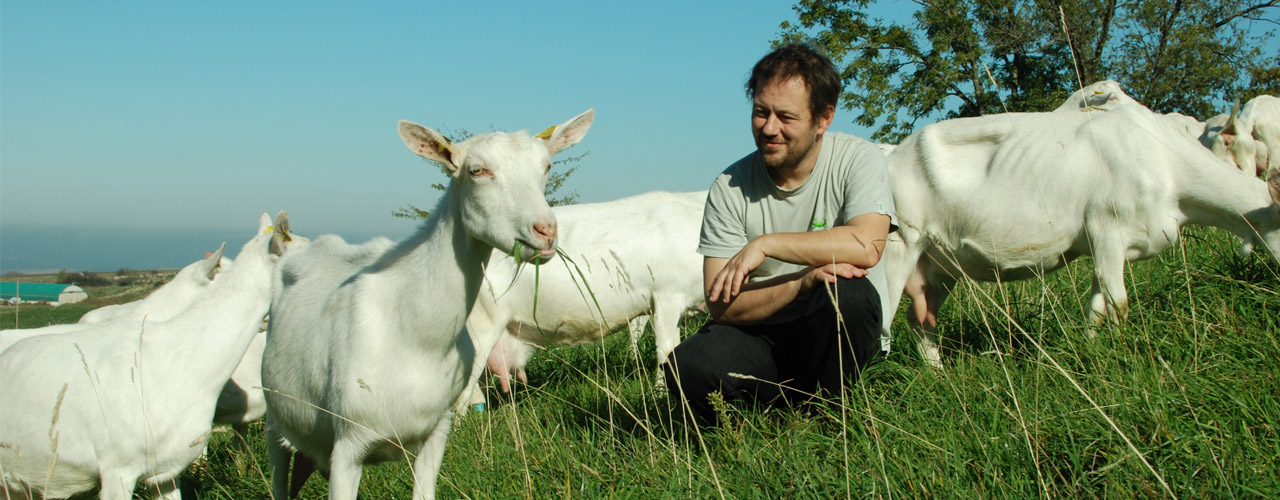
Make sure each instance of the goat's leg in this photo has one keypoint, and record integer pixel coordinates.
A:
(116, 485)
(927, 293)
(167, 490)
(303, 467)
(667, 311)
(345, 468)
(278, 458)
(426, 468)
(484, 326)
(899, 262)
(635, 328)
(1108, 300)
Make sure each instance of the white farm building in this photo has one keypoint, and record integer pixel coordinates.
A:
(37, 292)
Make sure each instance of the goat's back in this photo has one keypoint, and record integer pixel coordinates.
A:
(617, 255)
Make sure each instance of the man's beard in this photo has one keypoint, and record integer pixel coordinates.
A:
(794, 153)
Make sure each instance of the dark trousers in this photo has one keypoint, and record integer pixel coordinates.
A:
(791, 360)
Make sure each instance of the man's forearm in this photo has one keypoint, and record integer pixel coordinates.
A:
(758, 300)
(840, 244)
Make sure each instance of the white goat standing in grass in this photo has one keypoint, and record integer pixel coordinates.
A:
(124, 403)
(1012, 196)
(241, 401)
(364, 364)
(631, 257)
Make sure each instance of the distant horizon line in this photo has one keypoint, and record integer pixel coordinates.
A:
(38, 249)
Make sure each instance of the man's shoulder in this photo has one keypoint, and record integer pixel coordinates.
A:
(848, 141)
(737, 175)
(741, 167)
(850, 152)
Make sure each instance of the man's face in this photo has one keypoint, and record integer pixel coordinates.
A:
(783, 126)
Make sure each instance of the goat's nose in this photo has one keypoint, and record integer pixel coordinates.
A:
(546, 230)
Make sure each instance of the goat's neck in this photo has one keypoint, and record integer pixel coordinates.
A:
(423, 274)
(207, 341)
(1228, 199)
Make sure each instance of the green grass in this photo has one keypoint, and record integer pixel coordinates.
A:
(1028, 406)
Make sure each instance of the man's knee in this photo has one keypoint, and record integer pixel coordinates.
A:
(849, 295)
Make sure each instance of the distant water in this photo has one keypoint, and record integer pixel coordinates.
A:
(35, 250)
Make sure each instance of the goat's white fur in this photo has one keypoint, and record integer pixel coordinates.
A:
(1262, 114)
(1011, 196)
(1246, 137)
(122, 403)
(632, 257)
(189, 285)
(363, 363)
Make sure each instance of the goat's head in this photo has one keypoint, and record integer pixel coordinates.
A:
(200, 273)
(1241, 148)
(500, 181)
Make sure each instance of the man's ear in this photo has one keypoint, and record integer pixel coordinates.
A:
(825, 120)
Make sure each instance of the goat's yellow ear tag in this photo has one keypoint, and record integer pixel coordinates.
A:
(269, 229)
(546, 134)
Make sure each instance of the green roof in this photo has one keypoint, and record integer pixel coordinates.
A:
(34, 291)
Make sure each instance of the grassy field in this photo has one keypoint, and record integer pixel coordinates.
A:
(1182, 400)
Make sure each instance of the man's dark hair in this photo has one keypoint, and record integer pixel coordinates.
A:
(799, 60)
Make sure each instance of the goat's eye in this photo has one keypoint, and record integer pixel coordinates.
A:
(481, 172)
(547, 169)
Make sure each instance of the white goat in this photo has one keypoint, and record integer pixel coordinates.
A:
(1106, 95)
(128, 403)
(1231, 137)
(241, 401)
(631, 257)
(364, 366)
(1010, 196)
(189, 285)
(1262, 114)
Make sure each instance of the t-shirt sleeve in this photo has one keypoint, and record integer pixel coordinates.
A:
(867, 190)
(723, 228)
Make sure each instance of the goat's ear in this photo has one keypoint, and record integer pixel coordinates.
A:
(429, 144)
(560, 137)
(280, 237)
(211, 264)
(264, 223)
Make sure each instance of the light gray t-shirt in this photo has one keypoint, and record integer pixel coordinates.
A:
(850, 179)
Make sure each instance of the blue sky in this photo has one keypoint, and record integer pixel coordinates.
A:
(194, 118)
(203, 115)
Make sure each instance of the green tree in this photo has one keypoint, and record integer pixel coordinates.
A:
(555, 182)
(973, 57)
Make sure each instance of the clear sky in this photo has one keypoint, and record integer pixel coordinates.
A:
(200, 115)
(195, 117)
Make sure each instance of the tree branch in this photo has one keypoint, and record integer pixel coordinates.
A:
(1251, 9)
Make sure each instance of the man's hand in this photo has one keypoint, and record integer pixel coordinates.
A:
(829, 273)
(728, 282)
